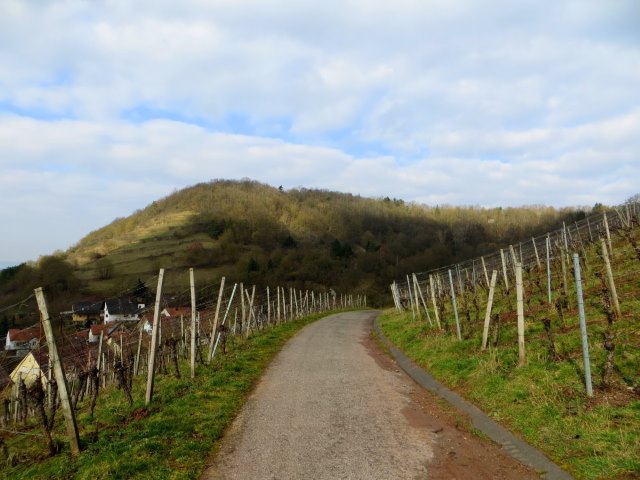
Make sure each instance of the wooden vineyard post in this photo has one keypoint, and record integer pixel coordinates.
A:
(284, 305)
(433, 300)
(484, 269)
(487, 316)
(243, 310)
(268, 307)
(278, 309)
(296, 304)
(413, 312)
(58, 370)
(291, 303)
(215, 320)
(504, 270)
(514, 259)
(136, 364)
(193, 323)
(394, 295)
(224, 319)
(455, 306)
(154, 341)
(606, 229)
(535, 250)
(415, 293)
(612, 285)
(563, 263)
(589, 227)
(520, 307)
(548, 244)
(424, 304)
(583, 326)
(251, 313)
(396, 291)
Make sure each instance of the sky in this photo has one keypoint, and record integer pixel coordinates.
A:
(107, 105)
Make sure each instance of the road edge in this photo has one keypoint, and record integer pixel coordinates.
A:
(513, 445)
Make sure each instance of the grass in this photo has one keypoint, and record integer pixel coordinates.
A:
(173, 438)
(543, 401)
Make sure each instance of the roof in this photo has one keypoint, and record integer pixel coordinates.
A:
(24, 335)
(121, 306)
(87, 308)
(107, 328)
(177, 311)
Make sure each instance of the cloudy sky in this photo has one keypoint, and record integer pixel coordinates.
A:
(108, 105)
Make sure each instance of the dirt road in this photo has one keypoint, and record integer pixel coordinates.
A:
(333, 406)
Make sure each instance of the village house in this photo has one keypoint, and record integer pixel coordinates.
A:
(87, 312)
(121, 310)
(21, 341)
(107, 328)
(33, 366)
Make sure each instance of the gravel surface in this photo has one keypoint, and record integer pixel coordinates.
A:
(331, 406)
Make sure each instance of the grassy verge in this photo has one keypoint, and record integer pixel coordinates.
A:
(174, 437)
(543, 401)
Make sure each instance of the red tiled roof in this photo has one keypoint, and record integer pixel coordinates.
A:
(96, 329)
(24, 335)
(177, 311)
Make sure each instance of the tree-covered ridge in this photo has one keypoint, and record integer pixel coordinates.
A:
(307, 238)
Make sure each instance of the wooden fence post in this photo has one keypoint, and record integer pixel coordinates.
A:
(484, 269)
(424, 304)
(612, 285)
(487, 316)
(413, 312)
(514, 259)
(193, 323)
(224, 319)
(136, 364)
(520, 308)
(215, 320)
(606, 229)
(583, 326)
(268, 307)
(278, 309)
(154, 341)
(504, 270)
(415, 293)
(548, 244)
(535, 250)
(433, 300)
(58, 370)
(455, 306)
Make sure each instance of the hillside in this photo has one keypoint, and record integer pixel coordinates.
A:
(259, 234)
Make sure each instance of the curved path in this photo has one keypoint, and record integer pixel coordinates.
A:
(332, 406)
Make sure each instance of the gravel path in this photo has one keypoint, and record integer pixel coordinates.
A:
(329, 408)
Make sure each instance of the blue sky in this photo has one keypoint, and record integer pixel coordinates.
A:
(106, 106)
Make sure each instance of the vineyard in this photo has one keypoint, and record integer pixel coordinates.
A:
(544, 335)
(56, 394)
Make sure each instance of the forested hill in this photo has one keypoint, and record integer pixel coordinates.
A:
(306, 238)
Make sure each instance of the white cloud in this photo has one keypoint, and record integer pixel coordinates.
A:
(439, 101)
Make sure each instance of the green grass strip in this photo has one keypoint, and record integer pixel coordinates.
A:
(544, 401)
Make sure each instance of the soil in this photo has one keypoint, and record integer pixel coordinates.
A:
(457, 453)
